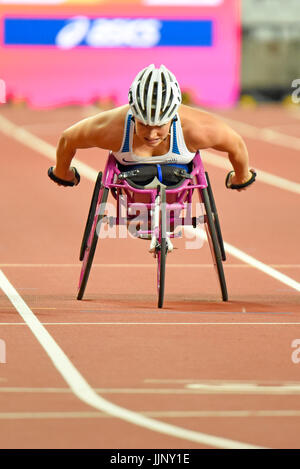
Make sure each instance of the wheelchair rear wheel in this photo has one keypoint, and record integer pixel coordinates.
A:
(90, 218)
(214, 245)
(96, 215)
(215, 217)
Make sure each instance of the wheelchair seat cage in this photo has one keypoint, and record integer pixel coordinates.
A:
(163, 206)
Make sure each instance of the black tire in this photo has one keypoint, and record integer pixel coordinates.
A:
(87, 264)
(90, 218)
(162, 255)
(214, 244)
(216, 217)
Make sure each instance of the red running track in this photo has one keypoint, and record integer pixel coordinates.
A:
(218, 369)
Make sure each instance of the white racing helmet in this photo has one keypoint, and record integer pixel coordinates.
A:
(154, 95)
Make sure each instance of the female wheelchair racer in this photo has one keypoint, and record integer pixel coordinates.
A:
(155, 138)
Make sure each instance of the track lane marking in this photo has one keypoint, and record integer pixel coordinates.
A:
(244, 257)
(153, 414)
(220, 381)
(213, 159)
(179, 266)
(197, 389)
(164, 323)
(85, 393)
(265, 134)
(261, 266)
(41, 146)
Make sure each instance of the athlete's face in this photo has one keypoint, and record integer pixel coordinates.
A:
(152, 135)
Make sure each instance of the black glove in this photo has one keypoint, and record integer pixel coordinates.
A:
(63, 182)
(240, 186)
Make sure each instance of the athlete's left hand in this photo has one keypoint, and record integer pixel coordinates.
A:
(234, 180)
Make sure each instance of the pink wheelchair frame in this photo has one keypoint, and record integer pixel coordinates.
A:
(163, 204)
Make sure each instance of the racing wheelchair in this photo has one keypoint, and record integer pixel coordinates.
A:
(164, 206)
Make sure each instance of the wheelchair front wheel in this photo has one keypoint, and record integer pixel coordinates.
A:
(161, 253)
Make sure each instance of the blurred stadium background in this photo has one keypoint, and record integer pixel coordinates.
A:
(223, 52)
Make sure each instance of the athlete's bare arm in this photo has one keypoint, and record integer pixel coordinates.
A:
(204, 130)
(104, 130)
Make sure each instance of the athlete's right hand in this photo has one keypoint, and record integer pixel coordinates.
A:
(68, 179)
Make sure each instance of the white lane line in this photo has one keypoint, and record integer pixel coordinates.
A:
(219, 381)
(264, 134)
(84, 392)
(242, 256)
(153, 414)
(175, 266)
(14, 389)
(211, 158)
(189, 389)
(164, 323)
(39, 145)
(243, 388)
(262, 267)
(47, 127)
